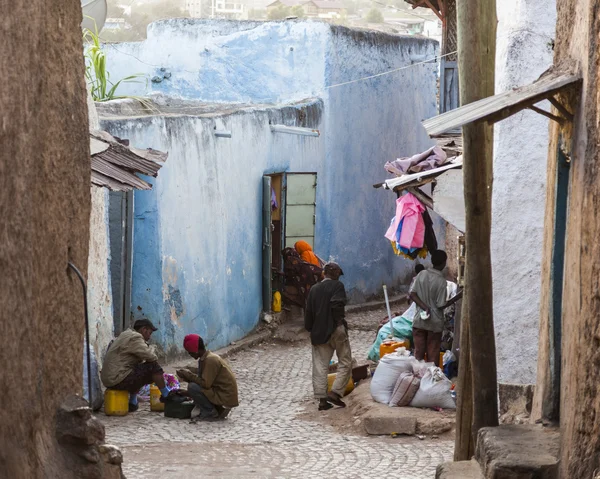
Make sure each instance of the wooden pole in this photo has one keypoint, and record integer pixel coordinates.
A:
(476, 57)
(464, 447)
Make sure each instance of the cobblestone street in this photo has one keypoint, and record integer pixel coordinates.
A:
(264, 437)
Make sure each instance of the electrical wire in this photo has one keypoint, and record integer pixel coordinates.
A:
(87, 330)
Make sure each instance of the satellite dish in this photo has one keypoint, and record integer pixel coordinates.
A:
(94, 14)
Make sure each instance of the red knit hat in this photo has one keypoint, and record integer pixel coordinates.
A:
(191, 343)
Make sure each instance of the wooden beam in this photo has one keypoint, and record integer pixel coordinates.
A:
(547, 114)
(435, 10)
(563, 111)
(422, 197)
(476, 56)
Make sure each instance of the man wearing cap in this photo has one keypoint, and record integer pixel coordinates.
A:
(130, 364)
(212, 385)
(324, 318)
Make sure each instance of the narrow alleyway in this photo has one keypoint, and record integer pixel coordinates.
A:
(264, 437)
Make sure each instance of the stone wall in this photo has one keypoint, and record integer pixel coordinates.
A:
(45, 204)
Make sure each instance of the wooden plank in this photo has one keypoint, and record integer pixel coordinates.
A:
(547, 114)
(422, 197)
(435, 10)
(503, 104)
(476, 55)
(563, 111)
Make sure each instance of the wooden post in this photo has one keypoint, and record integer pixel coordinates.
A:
(464, 447)
(476, 58)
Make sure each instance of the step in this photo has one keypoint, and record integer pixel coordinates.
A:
(524, 451)
(459, 470)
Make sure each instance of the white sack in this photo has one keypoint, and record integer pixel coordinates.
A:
(389, 369)
(434, 391)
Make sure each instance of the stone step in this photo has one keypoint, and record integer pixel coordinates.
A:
(518, 452)
(459, 470)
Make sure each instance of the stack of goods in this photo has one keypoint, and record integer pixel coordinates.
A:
(411, 230)
(398, 329)
(401, 380)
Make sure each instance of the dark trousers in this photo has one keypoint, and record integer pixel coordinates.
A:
(141, 375)
(427, 342)
(207, 409)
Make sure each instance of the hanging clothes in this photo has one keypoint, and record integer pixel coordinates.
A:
(430, 239)
(274, 204)
(408, 227)
(432, 158)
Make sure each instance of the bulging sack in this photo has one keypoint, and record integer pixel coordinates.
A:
(434, 391)
(389, 369)
(405, 390)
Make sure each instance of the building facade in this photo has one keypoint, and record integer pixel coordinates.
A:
(198, 234)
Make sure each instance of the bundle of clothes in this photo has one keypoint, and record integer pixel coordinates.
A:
(432, 158)
(411, 229)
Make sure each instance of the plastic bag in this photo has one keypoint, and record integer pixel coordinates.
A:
(448, 357)
(419, 368)
(405, 389)
(97, 395)
(386, 375)
(402, 328)
(434, 391)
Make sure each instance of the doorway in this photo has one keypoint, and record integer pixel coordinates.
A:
(120, 228)
(289, 215)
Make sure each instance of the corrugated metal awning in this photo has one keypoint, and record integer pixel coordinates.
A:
(503, 105)
(115, 164)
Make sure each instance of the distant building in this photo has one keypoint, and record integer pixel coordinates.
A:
(312, 8)
(194, 8)
(231, 10)
(115, 24)
(324, 9)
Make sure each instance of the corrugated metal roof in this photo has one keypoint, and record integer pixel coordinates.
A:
(503, 105)
(115, 165)
(423, 177)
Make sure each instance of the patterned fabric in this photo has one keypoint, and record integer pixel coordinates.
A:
(300, 276)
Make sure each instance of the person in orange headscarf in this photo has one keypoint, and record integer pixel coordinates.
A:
(306, 253)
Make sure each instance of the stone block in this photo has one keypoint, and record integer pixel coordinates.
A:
(378, 424)
(518, 452)
(459, 470)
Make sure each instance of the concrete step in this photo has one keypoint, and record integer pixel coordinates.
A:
(518, 452)
(459, 470)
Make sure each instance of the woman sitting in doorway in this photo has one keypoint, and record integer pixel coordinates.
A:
(300, 276)
(306, 253)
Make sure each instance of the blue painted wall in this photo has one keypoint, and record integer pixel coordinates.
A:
(197, 237)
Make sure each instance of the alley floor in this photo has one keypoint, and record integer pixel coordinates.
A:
(270, 435)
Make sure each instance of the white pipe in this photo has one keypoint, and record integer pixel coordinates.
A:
(387, 305)
(294, 130)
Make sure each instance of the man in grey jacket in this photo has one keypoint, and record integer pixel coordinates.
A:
(325, 319)
(130, 364)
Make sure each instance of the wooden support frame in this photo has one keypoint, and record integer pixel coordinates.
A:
(563, 111)
(547, 114)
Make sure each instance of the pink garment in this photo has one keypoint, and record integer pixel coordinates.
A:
(409, 209)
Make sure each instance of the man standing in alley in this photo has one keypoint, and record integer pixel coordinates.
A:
(429, 292)
(325, 319)
(212, 386)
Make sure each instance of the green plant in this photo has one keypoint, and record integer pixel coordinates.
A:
(279, 13)
(374, 16)
(98, 78)
(298, 11)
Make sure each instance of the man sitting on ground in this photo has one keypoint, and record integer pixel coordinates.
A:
(212, 386)
(130, 364)
(325, 319)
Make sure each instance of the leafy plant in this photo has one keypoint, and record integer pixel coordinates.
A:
(374, 16)
(98, 78)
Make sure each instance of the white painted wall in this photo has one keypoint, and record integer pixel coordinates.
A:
(525, 30)
(98, 280)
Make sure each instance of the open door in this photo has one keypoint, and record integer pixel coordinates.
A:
(267, 244)
(300, 202)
